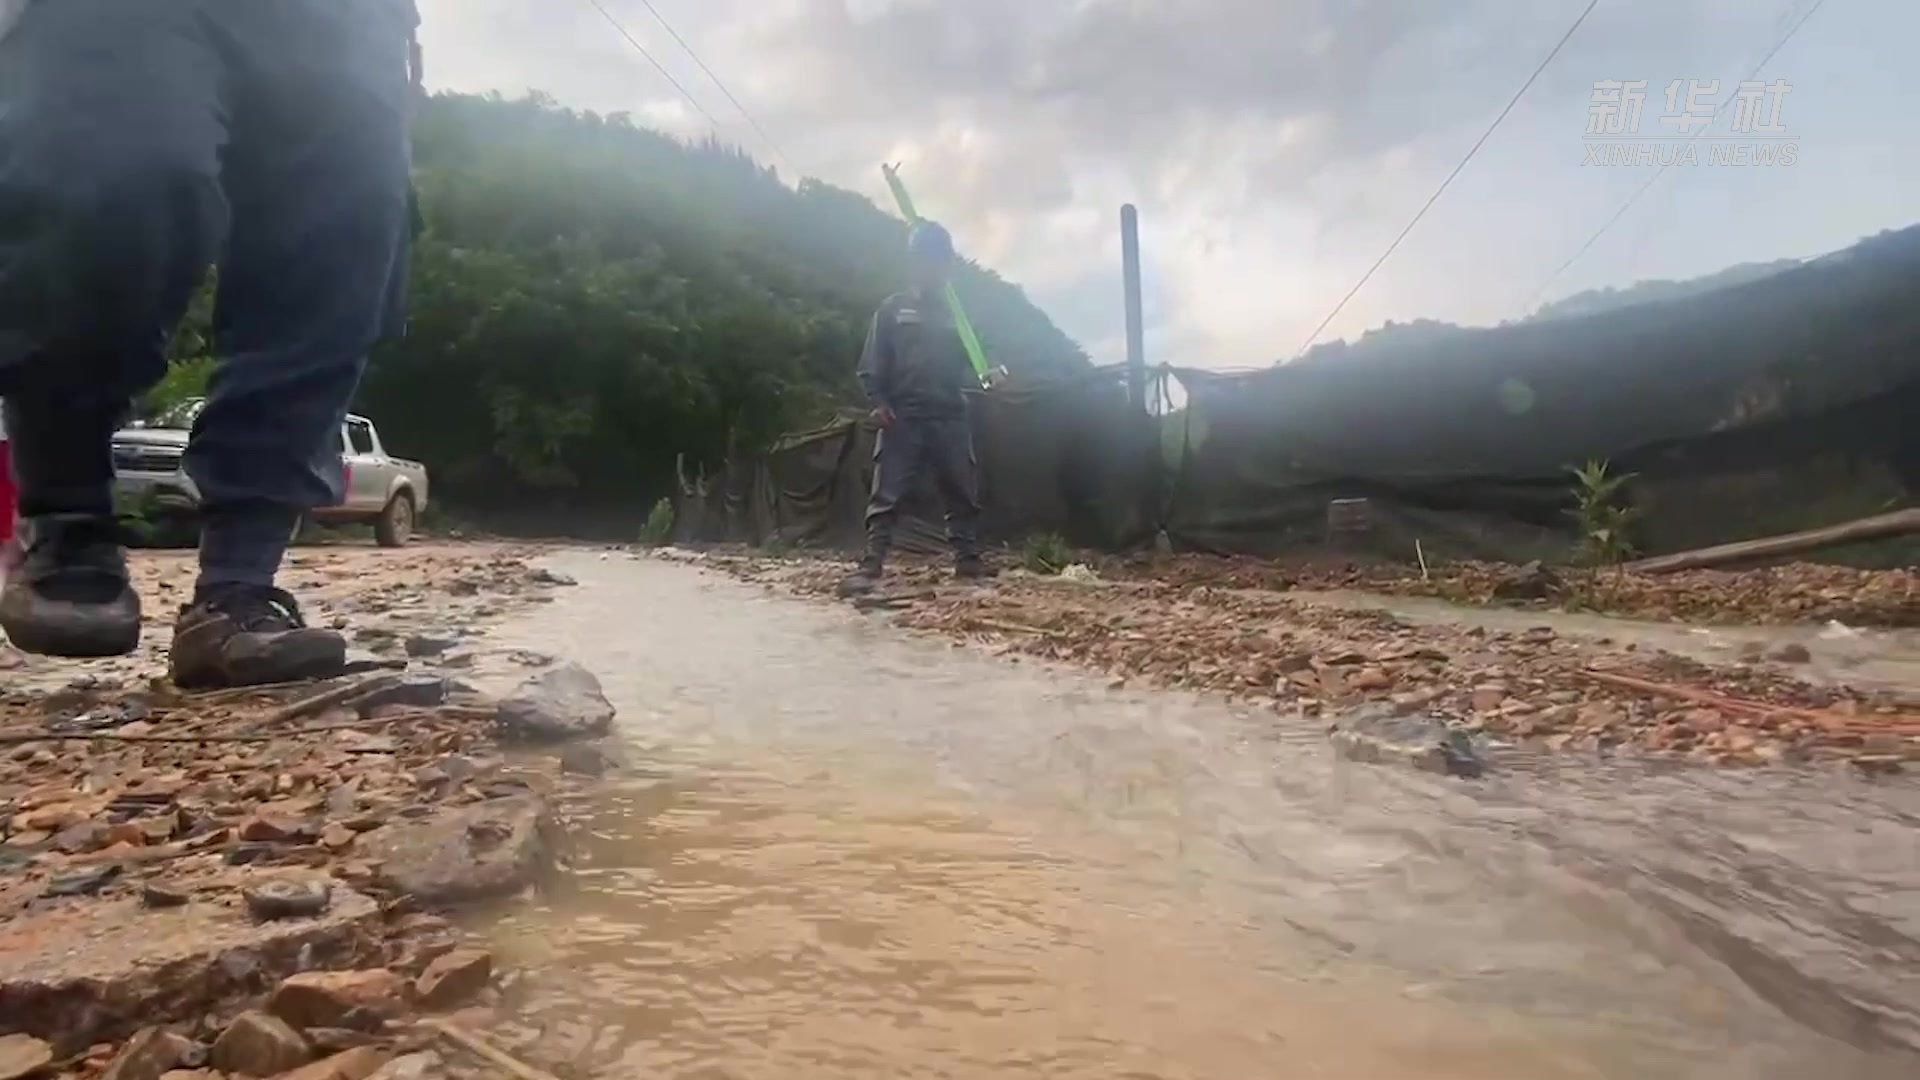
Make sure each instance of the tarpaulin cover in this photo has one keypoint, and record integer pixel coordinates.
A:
(1784, 403)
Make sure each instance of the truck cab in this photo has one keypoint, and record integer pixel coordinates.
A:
(381, 490)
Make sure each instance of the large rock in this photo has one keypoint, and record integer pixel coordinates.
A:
(149, 1055)
(23, 1055)
(453, 978)
(557, 705)
(256, 1044)
(77, 974)
(1415, 741)
(491, 848)
(339, 999)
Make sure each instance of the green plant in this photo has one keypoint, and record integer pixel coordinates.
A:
(1602, 514)
(1046, 553)
(658, 530)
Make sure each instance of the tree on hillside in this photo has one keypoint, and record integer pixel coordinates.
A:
(592, 298)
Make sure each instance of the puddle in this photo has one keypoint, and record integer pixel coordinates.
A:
(857, 852)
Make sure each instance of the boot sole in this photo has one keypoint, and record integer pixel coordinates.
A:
(92, 643)
(321, 660)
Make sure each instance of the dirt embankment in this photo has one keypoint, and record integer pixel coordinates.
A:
(253, 883)
(1235, 632)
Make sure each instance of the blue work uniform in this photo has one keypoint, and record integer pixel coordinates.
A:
(915, 365)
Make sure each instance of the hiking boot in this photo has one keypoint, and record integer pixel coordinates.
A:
(972, 568)
(862, 581)
(247, 635)
(67, 591)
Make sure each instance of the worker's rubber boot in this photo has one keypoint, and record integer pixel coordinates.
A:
(69, 594)
(864, 579)
(248, 635)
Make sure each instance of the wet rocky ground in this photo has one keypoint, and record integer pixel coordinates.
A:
(256, 883)
(1774, 595)
(1236, 627)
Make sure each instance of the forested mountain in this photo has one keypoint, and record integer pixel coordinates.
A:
(591, 299)
(1608, 298)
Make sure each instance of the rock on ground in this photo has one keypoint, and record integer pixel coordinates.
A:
(554, 706)
(490, 848)
(256, 1044)
(453, 978)
(23, 1055)
(339, 999)
(83, 973)
(1418, 742)
(149, 1055)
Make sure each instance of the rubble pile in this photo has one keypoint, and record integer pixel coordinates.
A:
(1534, 687)
(254, 882)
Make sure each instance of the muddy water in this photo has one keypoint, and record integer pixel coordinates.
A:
(857, 853)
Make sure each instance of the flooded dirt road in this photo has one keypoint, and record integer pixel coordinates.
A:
(854, 852)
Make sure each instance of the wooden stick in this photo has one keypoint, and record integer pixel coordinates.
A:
(1827, 719)
(1897, 523)
(241, 693)
(1013, 627)
(474, 1044)
(1690, 694)
(15, 737)
(326, 699)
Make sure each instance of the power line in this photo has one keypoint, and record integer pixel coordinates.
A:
(675, 34)
(664, 73)
(1534, 303)
(1435, 197)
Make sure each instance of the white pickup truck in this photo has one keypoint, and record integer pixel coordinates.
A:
(383, 491)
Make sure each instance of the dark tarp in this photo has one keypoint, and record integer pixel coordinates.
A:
(1734, 408)
(1066, 456)
(1780, 404)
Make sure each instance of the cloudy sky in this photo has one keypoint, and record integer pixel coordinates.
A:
(1274, 147)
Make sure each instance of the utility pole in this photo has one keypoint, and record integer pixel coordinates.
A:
(1136, 332)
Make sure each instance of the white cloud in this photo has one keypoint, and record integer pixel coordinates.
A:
(1274, 146)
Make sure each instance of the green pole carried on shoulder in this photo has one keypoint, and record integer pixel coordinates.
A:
(971, 341)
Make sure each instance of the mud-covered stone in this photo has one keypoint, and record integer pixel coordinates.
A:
(453, 978)
(339, 999)
(1415, 741)
(288, 898)
(1533, 581)
(489, 848)
(149, 1055)
(77, 974)
(596, 758)
(257, 1044)
(23, 1055)
(555, 706)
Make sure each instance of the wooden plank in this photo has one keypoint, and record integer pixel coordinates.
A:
(1880, 526)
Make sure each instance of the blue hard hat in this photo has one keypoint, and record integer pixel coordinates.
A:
(930, 240)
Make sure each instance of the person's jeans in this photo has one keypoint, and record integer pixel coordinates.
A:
(142, 142)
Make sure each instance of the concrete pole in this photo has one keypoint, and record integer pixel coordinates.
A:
(1136, 333)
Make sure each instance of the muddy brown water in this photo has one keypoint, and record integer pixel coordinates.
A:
(854, 852)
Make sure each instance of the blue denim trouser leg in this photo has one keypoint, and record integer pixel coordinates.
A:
(141, 142)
